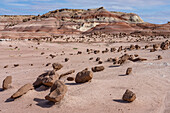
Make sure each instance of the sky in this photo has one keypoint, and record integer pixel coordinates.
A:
(153, 11)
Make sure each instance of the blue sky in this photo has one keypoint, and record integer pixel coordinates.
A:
(153, 11)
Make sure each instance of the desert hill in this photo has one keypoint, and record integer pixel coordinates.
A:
(80, 21)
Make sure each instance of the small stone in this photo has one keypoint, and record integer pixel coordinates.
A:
(128, 71)
(79, 52)
(100, 62)
(16, 65)
(137, 47)
(91, 58)
(42, 53)
(66, 59)
(6, 66)
(98, 58)
(129, 96)
(97, 68)
(146, 46)
(52, 56)
(132, 47)
(136, 55)
(159, 57)
(70, 78)
(112, 49)
(47, 64)
(57, 66)
(96, 51)
(7, 82)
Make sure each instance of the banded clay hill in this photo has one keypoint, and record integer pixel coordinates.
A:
(84, 61)
(78, 22)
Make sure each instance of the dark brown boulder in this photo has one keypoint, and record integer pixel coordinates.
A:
(57, 92)
(24, 89)
(7, 82)
(97, 68)
(47, 79)
(83, 76)
(57, 66)
(129, 96)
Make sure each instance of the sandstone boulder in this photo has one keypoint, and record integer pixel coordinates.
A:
(57, 92)
(128, 71)
(47, 79)
(7, 82)
(97, 68)
(67, 73)
(57, 66)
(84, 76)
(129, 96)
(24, 89)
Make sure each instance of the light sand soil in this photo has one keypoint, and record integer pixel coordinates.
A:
(150, 80)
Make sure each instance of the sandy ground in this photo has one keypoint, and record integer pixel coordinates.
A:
(150, 79)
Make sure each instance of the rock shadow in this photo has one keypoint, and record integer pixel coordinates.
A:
(1, 90)
(9, 100)
(120, 101)
(123, 75)
(73, 83)
(43, 103)
(112, 66)
(42, 88)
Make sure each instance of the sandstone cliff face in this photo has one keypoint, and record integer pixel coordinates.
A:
(79, 21)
